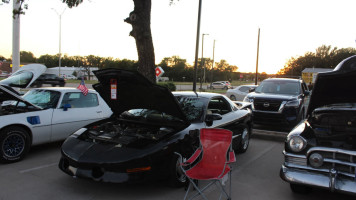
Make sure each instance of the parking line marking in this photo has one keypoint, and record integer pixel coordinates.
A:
(37, 168)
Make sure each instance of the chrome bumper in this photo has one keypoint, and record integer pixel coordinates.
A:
(332, 182)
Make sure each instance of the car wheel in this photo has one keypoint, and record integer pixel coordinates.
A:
(233, 98)
(241, 146)
(14, 144)
(300, 189)
(177, 177)
(225, 88)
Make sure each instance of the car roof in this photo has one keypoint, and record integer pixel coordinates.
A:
(63, 89)
(199, 94)
(284, 79)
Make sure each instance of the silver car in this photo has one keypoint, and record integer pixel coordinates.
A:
(239, 93)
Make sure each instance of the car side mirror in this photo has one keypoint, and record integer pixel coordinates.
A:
(66, 106)
(212, 117)
(251, 90)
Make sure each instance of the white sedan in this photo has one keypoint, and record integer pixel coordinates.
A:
(239, 93)
(44, 115)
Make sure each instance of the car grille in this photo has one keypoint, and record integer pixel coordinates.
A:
(267, 105)
(343, 161)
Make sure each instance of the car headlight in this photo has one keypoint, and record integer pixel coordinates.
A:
(247, 99)
(297, 143)
(294, 103)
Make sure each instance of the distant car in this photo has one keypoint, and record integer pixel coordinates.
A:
(51, 79)
(321, 151)
(279, 101)
(139, 141)
(239, 93)
(220, 85)
(69, 77)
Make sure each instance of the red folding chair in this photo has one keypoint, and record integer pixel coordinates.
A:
(211, 161)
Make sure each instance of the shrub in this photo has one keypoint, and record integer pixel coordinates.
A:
(169, 85)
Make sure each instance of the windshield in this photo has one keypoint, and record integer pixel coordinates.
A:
(279, 87)
(18, 79)
(42, 98)
(192, 107)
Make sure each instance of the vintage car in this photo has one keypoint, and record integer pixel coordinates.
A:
(321, 150)
(42, 115)
(149, 124)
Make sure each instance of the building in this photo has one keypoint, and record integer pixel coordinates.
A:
(309, 74)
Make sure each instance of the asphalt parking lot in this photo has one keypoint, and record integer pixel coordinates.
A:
(255, 176)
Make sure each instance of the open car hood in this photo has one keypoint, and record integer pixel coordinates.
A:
(7, 94)
(25, 76)
(124, 90)
(337, 86)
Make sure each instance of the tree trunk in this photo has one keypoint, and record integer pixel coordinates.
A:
(140, 19)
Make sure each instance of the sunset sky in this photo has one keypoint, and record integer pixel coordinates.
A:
(289, 28)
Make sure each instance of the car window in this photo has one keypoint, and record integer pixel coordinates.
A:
(244, 89)
(219, 105)
(279, 87)
(78, 100)
(42, 98)
(18, 79)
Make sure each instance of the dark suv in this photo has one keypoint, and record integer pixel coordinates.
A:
(279, 101)
(51, 79)
(321, 151)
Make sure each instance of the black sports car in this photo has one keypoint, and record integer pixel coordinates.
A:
(149, 124)
(321, 151)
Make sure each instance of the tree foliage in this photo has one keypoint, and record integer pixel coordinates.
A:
(324, 57)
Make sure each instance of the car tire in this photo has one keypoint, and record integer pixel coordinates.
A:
(300, 189)
(241, 146)
(225, 88)
(14, 144)
(177, 177)
(233, 98)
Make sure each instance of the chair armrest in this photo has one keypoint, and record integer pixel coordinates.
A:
(194, 156)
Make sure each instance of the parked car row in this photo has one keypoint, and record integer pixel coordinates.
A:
(138, 140)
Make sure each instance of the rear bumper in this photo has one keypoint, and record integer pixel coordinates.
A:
(330, 181)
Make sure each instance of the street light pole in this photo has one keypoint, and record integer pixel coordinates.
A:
(60, 39)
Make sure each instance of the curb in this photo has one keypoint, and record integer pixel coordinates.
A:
(270, 135)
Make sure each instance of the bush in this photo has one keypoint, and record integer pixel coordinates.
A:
(169, 85)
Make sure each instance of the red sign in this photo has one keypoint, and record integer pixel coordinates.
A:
(159, 71)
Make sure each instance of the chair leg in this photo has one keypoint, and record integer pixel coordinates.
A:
(195, 186)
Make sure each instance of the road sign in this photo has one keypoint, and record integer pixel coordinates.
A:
(159, 72)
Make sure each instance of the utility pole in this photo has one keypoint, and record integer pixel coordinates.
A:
(197, 49)
(258, 48)
(212, 66)
(16, 38)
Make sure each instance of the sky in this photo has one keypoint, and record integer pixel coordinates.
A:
(288, 28)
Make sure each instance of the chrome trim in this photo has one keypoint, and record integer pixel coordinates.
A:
(332, 150)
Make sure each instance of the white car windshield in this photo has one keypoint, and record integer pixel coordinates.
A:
(42, 98)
